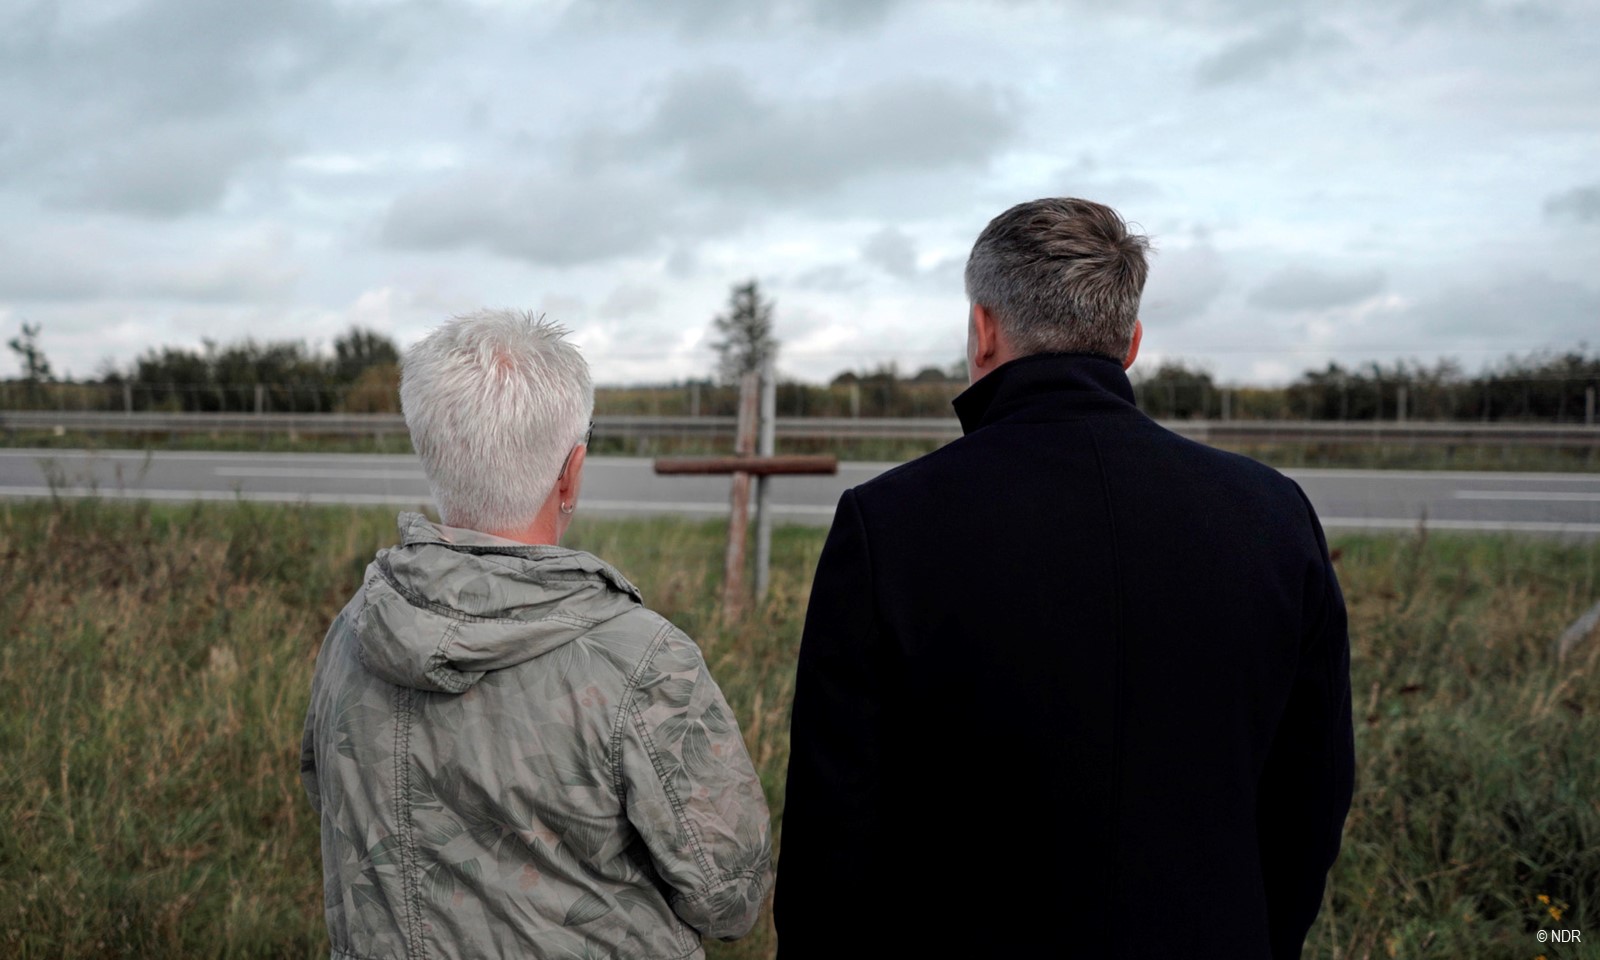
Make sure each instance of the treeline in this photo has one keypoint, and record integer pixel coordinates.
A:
(361, 375)
(1544, 387)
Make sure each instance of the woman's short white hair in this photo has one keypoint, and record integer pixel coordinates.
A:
(495, 401)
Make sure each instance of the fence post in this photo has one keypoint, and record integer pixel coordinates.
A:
(1400, 404)
(855, 400)
(1588, 405)
(127, 398)
(766, 446)
(1227, 403)
(260, 393)
(694, 398)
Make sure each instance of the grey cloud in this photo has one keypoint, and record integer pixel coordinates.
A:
(682, 262)
(1183, 283)
(246, 279)
(891, 251)
(187, 58)
(1257, 55)
(829, 278)
(727, 137)
(1087, 178)
(1581, 204)
(563, 308)
(948, 275)
(163, 172)
(152, 106)
(629, 300)
(85, 266)
(1525, 307)
(699, 18)
(538, 218)
(1305, 288)
(35, 272)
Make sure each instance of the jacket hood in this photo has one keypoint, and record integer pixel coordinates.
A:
(447, 605)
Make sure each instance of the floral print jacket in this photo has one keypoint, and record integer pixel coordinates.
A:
(512, 756)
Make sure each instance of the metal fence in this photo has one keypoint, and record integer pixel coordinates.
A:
(1548, 400)
(714, 428)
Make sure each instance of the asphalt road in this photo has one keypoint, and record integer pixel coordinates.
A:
(1542, 503)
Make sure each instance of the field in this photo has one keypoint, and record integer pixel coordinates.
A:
(156, 661)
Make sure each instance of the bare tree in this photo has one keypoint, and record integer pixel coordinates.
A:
(746, 342)
(35, 368)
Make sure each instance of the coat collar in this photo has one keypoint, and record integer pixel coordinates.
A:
(1056, 384)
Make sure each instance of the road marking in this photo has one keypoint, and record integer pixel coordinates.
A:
(224, 495)
(809, 510)
(629, 506)
(1486, 526)
(318, 473)
(62, 452)
(845, 466)
(1482, 476)
(1563, 496)
(711, 509)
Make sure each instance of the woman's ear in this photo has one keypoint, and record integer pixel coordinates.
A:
(572, 475)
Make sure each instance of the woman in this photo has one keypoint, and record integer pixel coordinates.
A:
(511, 755)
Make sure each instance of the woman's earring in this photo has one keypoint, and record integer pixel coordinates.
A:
(567, 508)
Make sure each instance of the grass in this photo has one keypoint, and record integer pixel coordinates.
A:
(157, 659)
(1281, 455)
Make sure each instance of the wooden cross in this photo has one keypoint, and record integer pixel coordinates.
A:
(743, 465)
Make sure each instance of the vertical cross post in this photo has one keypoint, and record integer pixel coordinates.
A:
(739, 520)
(766, 448)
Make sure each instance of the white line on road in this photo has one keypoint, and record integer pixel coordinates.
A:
(1486, 526)
(660, 506)
(1479, 476)
(255, 496)
(59, 452)
(1563, 496)
(630, 506)
(318, 473)
(633, 506)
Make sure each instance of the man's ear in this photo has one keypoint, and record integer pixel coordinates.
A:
(1133, 347)
(986, 334)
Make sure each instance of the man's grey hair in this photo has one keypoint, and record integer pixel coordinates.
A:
(495, 401)
(1060, 275)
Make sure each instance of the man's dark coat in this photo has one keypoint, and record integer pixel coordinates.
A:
(1072, 685)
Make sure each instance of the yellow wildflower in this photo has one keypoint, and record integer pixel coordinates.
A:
(1544, 898)
(1555, 913)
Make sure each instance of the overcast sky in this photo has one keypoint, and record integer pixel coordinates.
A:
(1343, 179)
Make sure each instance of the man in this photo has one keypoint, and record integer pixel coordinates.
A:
(1071, 685)
(510, 754)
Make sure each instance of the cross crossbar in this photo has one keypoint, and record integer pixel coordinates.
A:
(791, 464)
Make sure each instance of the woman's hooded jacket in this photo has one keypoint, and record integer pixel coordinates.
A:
(512, 756)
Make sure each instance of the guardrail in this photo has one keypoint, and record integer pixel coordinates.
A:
(822, 428)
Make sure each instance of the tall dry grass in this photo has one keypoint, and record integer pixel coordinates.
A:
(157, 658)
